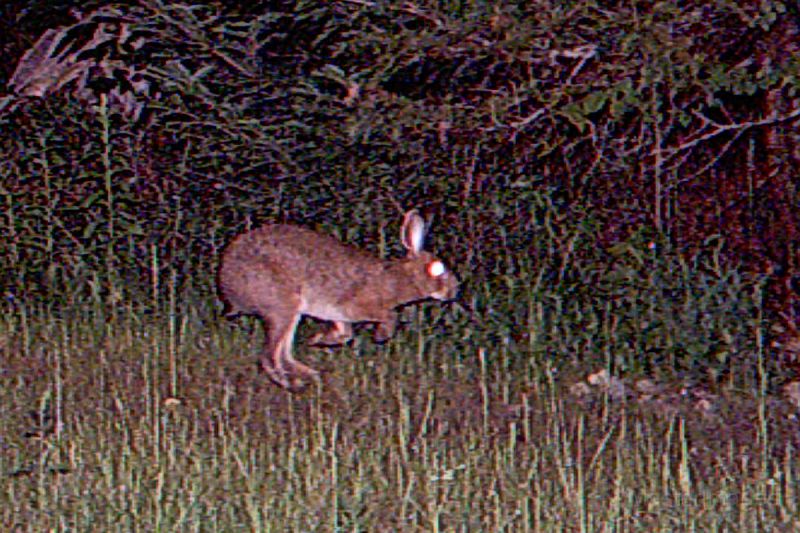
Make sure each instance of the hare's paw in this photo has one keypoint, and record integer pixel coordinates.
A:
(384, 331)
(290, 381)
(338, 334)
(279, 376)
(295, 378)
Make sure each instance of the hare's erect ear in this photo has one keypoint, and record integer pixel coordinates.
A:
(413, 232)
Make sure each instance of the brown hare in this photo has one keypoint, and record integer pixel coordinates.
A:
(280, 272)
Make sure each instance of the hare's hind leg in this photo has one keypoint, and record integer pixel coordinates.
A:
(272, 360)
(277, 360)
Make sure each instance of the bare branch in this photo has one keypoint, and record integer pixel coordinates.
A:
(722, 128)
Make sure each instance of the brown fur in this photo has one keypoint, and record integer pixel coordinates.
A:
(281, 272)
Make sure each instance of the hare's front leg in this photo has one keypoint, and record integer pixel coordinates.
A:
(385, 327)
(338, 333)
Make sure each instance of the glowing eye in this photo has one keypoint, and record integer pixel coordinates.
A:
(435, 269)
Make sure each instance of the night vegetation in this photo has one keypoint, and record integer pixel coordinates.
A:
(615, 185)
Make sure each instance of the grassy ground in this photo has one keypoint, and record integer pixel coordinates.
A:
(139, 422)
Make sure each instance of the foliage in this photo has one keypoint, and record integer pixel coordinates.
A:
(614, 183)
(540, 137)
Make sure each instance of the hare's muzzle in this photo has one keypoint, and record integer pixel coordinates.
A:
(448, 287)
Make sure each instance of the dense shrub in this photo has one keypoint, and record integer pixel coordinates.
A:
(541, 136)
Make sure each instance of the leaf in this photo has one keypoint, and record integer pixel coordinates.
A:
(574, 114)
(594, 102)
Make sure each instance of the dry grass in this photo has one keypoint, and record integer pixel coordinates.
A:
(140, 423)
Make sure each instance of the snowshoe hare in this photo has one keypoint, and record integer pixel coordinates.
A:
(280, 272)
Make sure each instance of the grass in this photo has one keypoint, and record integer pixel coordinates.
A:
(123, 414)
(135, 421)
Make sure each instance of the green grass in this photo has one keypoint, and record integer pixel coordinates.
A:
(160, 422)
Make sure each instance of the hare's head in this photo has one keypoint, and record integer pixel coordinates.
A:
(432, 279)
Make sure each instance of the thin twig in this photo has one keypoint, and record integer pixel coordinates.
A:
(722, 128)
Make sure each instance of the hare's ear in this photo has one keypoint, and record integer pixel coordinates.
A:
(413, 232)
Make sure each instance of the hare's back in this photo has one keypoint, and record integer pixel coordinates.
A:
(295, 245)
(280, 257)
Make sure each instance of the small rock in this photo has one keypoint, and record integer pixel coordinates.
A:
(614, 386)
(598, 379)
